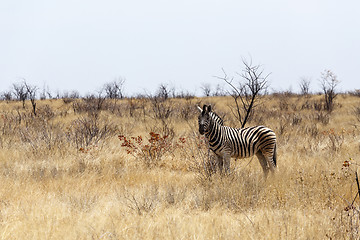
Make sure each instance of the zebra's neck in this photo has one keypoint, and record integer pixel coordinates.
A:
(213, 133)
(216, 118)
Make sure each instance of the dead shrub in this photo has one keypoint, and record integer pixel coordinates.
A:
(150, 151)
(296, 119)
(322, 117)
(336, 139)
(141, 204)
(85, 131)
(162, 108)
(187, 111)
(41, 136)
(306, 105)
(201, 160)
(46, 112)
(89, 104)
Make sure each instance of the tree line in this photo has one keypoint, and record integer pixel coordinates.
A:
(245, 88)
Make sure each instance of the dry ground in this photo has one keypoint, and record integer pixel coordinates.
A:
(65, 174)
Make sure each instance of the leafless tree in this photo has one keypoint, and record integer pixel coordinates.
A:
(31, 94)
(45, 93)
(304, 85)
(115, 89)
(219, 91)
(7, 95)
(93, 102)
(329, 83)
(20, 92)
(74, 94)
(246, 95)
(206, 88)
(161, 105)
(163, 92)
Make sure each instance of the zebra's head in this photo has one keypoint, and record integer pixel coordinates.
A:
(204, 119)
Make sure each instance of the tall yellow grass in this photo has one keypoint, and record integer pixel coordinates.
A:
(54, 185)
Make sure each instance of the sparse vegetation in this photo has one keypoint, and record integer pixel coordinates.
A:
(89, 169)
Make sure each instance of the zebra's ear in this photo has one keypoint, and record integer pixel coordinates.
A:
(209, 108)
(204, 108)
(199, 108)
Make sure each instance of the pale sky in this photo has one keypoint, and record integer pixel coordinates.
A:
(82, 44)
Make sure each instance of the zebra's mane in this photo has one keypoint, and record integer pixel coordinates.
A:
(216, 118)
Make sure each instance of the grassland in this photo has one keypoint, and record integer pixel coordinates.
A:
(66, 174)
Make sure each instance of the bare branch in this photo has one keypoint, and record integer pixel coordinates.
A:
(304, 85)
(31, 94)
(329, 83)
(206, 88)
(115, 89)
(245, 96)
(20, 92)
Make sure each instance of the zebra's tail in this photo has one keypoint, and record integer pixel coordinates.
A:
(274, 155)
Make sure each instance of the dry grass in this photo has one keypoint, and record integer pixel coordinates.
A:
(64, 174)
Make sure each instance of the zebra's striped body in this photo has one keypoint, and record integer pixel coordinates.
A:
(227, 142)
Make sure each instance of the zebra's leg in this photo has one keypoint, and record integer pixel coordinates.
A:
(220, 163)
(271, 164)
(226, 163)
(270, 158)
(263, 162)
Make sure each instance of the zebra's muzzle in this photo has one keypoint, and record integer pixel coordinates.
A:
(201, 130)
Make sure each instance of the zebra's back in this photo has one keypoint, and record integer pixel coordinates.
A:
(245, 142)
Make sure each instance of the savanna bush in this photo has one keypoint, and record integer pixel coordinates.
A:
(88, 130)
(151, 150)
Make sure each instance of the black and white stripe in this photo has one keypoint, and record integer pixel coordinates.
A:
(227, 142)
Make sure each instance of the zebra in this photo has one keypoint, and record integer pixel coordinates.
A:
(227, 142)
